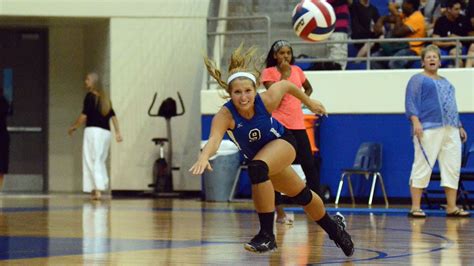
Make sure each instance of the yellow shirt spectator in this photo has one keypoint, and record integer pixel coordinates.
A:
(416, 23)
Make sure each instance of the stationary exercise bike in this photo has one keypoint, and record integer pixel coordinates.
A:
(163, 167)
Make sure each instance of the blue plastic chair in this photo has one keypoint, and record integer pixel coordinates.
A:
(368, 162)
(466, 175)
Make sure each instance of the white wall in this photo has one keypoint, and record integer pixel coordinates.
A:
(97, 51)
(139, 48)
(148, 56)
(381, 91)
(66, 68)
(104, 8)
(366, 91)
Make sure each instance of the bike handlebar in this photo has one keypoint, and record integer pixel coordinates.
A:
(153, 103)
(182, 105)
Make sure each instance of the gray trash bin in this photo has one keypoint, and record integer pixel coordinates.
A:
(217, 184)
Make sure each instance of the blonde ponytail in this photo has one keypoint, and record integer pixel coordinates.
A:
(240, 61)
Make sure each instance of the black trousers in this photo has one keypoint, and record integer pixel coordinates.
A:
(4, 151)
(304, 157)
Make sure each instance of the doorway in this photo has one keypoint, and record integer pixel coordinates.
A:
(23, 76)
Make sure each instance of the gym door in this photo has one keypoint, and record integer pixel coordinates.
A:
(23, 74)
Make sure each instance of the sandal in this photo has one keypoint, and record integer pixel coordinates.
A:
(458, 213)
(417, 214)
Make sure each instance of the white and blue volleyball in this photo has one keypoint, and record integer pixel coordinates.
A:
(313, 20)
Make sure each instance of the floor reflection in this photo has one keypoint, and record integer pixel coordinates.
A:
(96, 229)
(76, 231)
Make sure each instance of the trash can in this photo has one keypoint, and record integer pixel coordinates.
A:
(309, 121)
(217, 184)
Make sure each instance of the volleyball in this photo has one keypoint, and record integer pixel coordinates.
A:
(313, 20)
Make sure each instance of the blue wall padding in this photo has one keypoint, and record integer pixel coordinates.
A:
(340, 136)
(206, 121)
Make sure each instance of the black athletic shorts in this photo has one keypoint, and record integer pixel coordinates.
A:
(290, 138)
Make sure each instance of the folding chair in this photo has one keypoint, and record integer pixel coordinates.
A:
(368, 162)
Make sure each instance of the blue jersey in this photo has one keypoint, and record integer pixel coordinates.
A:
(251, 135)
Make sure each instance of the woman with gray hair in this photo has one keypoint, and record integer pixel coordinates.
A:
(430, 104)
(96, 113)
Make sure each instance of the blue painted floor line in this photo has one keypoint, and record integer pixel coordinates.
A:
(22, 247)
(298, 210)
(375, 211)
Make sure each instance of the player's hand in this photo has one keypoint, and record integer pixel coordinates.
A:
(317, 107)
(200, 166)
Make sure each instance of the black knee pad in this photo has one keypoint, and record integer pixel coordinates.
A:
(258, 172)
(304, 197)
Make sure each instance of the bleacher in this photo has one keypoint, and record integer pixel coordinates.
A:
(261, 33)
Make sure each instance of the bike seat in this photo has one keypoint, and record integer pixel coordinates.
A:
(159, 140)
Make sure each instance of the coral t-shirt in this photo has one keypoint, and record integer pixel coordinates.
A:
(289, 113)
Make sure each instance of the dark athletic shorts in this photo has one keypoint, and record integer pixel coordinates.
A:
(290, 138)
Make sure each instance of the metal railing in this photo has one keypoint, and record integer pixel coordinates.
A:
(457, 57)
(242, 32)
(218, 49)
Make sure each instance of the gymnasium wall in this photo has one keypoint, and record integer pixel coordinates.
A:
(74, 49)
(139, 48)
(66, 68)
(103, 8)
(148, 56)
(366, 106)
(156, 46)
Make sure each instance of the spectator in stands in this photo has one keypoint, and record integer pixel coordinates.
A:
(409, 24)
(470, 53)
(280, 66)
(338, 51)
(431, 10)
(363, 18)
(470, 15)
(470, 12)
(430, 104)
(453, 24)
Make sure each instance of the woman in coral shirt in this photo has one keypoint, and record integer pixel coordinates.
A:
(279, 66)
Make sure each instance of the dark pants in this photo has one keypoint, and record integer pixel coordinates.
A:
(393, 64)
(4, 151)
(304, 157)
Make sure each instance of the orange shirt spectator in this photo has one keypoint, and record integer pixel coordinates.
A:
(416, 23)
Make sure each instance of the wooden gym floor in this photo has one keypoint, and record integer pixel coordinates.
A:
(72, 230)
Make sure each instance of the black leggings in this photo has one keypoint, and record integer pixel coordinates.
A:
(4, 151)
(304, 157)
